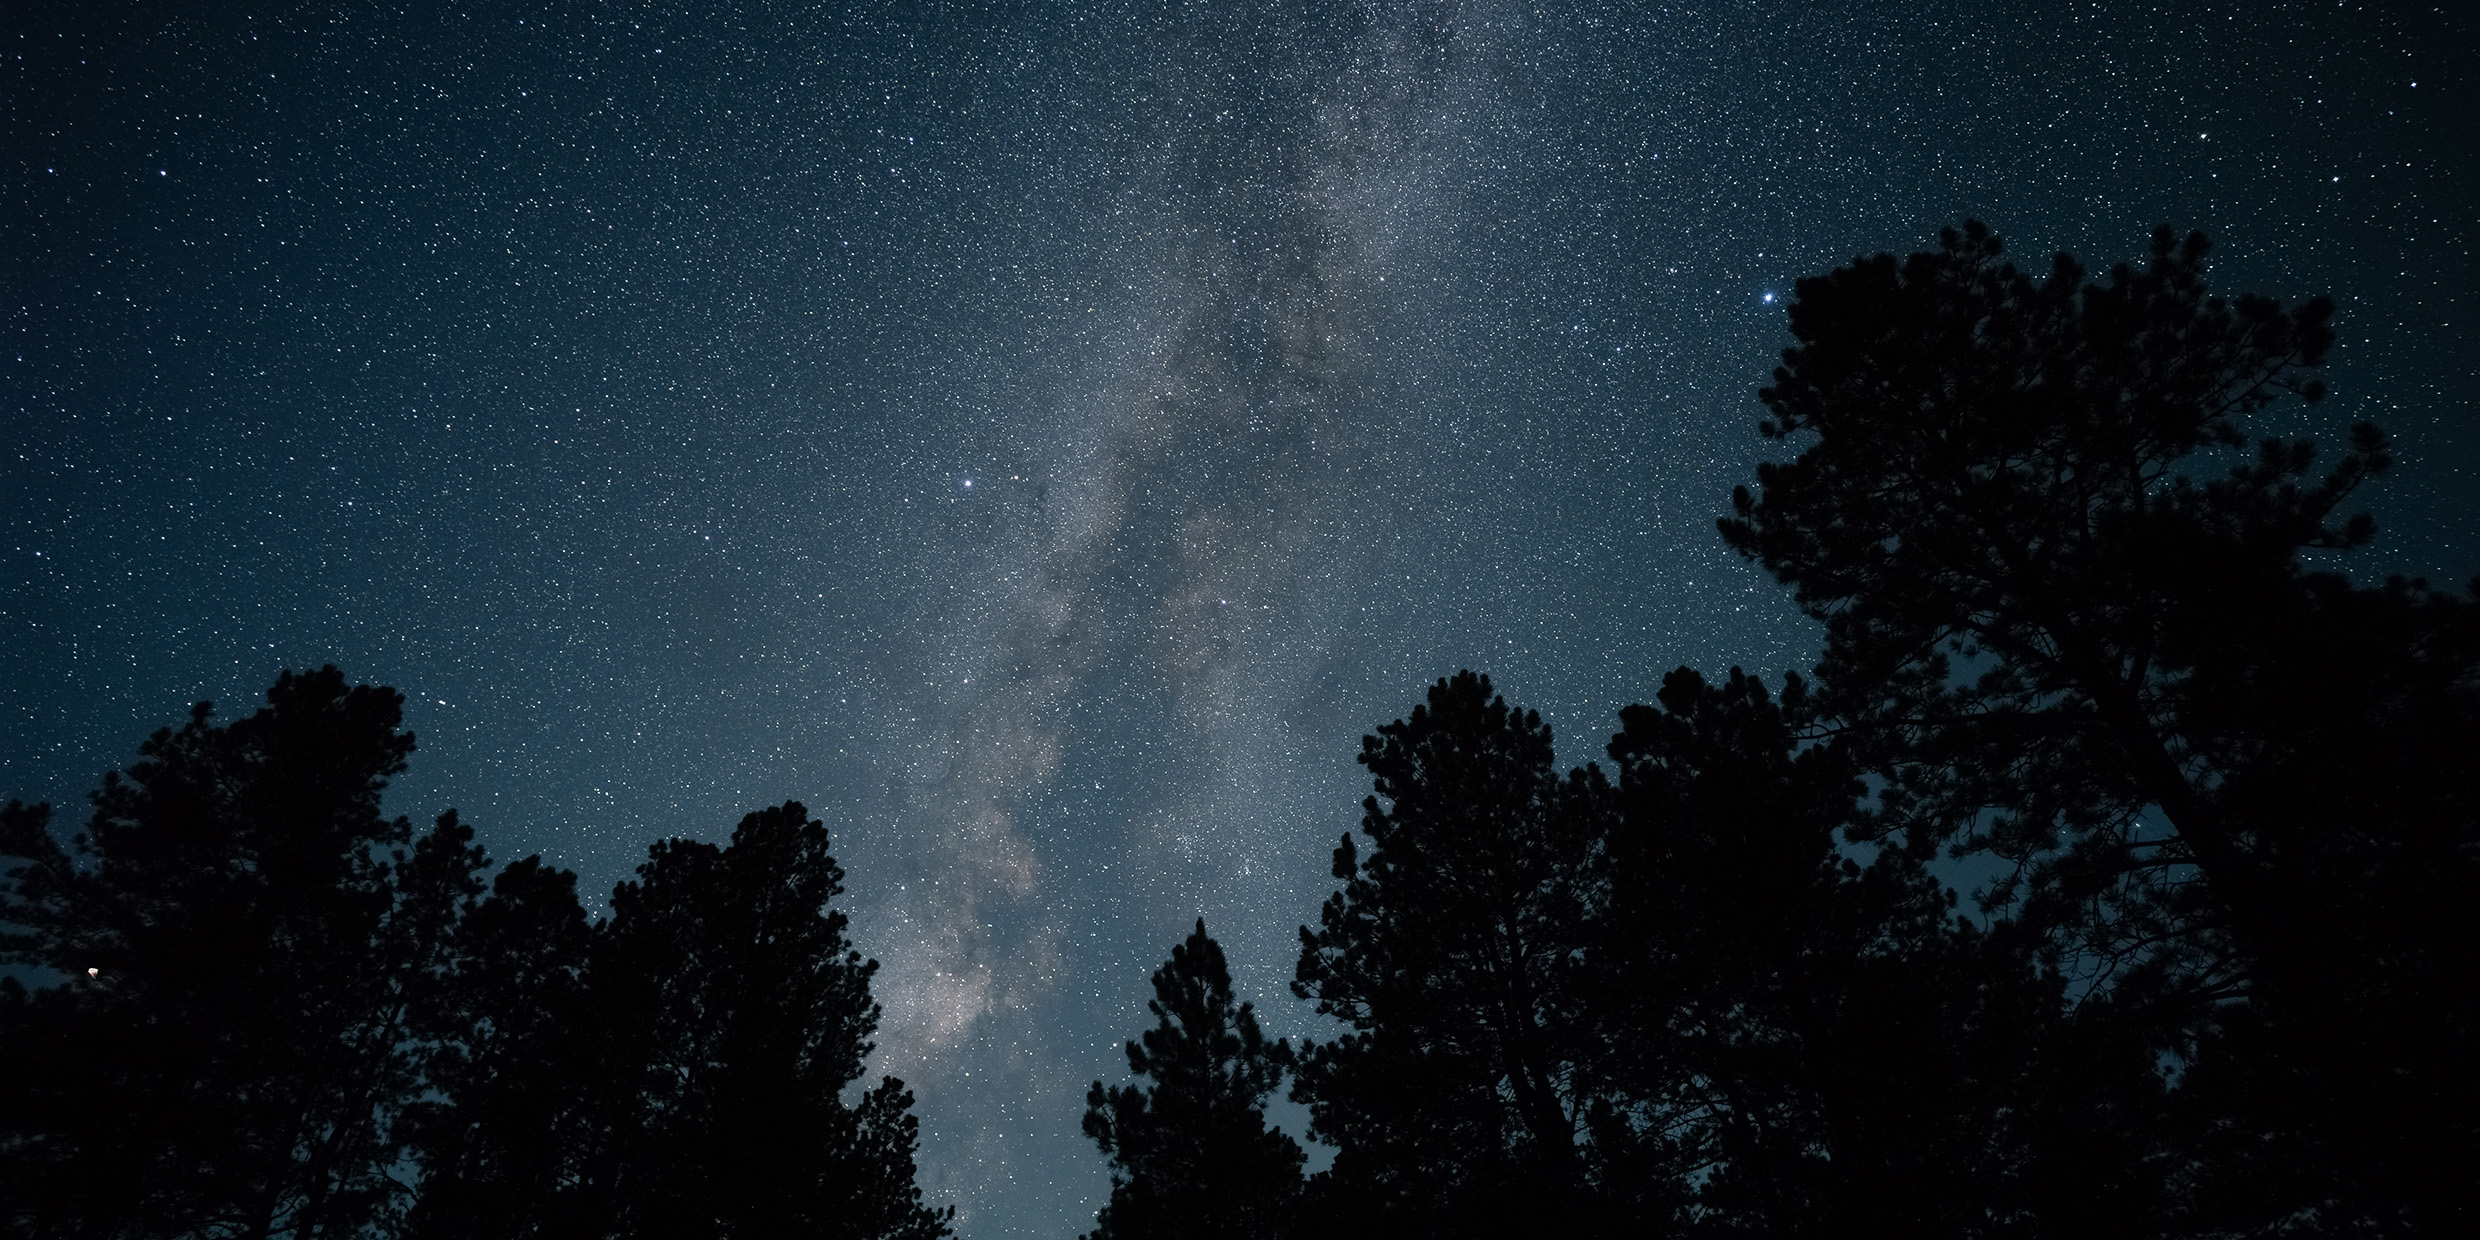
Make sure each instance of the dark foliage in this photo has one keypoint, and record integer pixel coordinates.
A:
(731, 1013)
(1447, 953)
(679, 1069)
(267, 1011)
(1740, 1022)
(676, 1071)
(1801, 1038)
(509, 1136)
(1191, 1153)
(2060, 635)
(2082, 635)
(245, 942)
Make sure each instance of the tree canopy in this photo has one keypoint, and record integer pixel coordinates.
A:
(1191, 1152)
(246, 942)
(2090, 659)
(1444, 955)
(278, 1013)
(2088, 638)
(2071, 619)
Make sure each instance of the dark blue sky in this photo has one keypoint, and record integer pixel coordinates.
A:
(1043, 438)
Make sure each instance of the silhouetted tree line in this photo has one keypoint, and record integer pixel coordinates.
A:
(2077, 625)
(270, 1011)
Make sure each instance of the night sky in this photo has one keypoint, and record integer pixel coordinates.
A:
(1044, 438)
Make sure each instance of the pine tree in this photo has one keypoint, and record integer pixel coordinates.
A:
(261, 1009)
(1191, 1153)
(505, 1135)
(729, 1014)
(245, 943)
(2059, 636)
(1448, 953)
(1802, 1038)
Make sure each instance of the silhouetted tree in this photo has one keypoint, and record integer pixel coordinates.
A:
(678, 1070)
(2221, 988)
(246, 943)
(507, 1134)
(1191, 1153)
(261, 1009)
(731, 1013)
(1446, 952)
(2055, 634)
(1800, 1037)
(1718, 931)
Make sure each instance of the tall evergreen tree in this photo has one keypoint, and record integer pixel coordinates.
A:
(678, 1070)
(1801, 1037)
(1191, 1153)
(264, 1010)
(246, 942)
(1718, 927)
(2060, 636)
(1447, 952)
(730, 1013)
(506, 1135)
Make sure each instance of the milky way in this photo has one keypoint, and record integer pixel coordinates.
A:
(1178, 557)
(1043, 439)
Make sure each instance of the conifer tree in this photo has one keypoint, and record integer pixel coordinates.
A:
(2062, 631)
(1191, 1153)
(1802, 1038)
(245, 943)
(261, 1009)
(1448, 953)
(679, 1069)
(506, 1134)
(729, 1014)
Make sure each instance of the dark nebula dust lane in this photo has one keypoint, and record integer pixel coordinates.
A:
(1043, 439)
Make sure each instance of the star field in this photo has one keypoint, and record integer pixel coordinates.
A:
(1044, 438)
